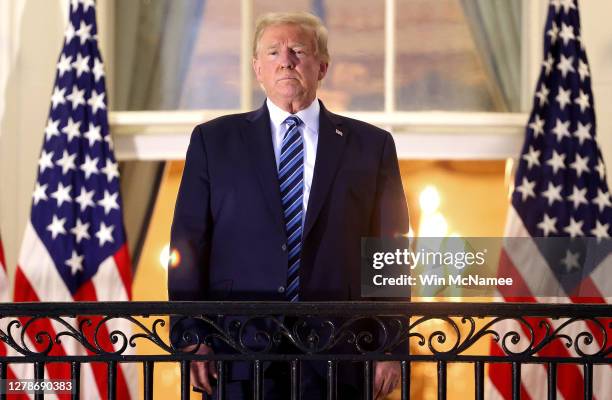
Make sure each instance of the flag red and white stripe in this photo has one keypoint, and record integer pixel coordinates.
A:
(5, 297)
(4, 281)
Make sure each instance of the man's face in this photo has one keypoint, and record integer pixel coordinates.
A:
(287, 64)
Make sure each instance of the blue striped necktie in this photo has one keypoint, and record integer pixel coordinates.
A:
(291, 181)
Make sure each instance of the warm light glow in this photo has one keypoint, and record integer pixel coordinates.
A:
(433, 226)
(164, 256)
(169, 258)
(508, 176)
(410, 233)
(429, 200)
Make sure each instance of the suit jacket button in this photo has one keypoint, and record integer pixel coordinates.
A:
(281, 289)
(284, 247)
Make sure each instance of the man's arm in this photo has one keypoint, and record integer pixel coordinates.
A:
(190, 238)
(191, 226)
(190, 241)
(390, 220)
(390, 217)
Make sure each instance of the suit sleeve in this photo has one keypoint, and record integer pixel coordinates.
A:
(390, 218)
(190, 237)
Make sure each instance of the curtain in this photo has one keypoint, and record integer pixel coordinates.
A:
(154, 43)
(496, 27)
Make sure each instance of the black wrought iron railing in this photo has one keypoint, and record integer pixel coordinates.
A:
(73, 334)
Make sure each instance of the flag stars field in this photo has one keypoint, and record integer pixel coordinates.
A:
(80, 230)
(553, 193)
(583, 70)
(526, 189)
(57, 97)
(75, 262)
(84, 32)
(563, 98)
(40, 193)
(542, 95)
(583, 132)
(67, 162)
(547, 225)
(602, 200)
(574, 229)
(56, 227)
(45, 161)
(90, 166)
(553, 32)
(601, 169)
(561, 130)
(86, 4)
(565, 65)
(69, 33)
(62, 194)
(548, 64)
(96, 101)
(72, 129)
(81, 65)
(109, 202)
(64, 65)
(567, 33)
(105, 234)
(566, 4)
(583, 101)
(98, 69)
(111, 170)
(537, 126)
(571, 261)
(52, 129)
(532, 157)
(556, 161)
(601, 231)
(76, 97)
(93, 134)
(85, 199)
(578, 197)
(580, 165)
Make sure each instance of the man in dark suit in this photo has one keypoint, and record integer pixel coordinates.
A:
(273, 203)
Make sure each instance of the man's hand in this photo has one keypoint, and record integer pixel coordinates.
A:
(386, 377)
(201, 371)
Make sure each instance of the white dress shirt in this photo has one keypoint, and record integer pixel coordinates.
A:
(309, 129)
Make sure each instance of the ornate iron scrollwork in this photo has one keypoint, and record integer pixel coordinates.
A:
(349, 331)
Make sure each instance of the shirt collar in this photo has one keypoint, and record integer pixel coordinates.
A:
(309, 115)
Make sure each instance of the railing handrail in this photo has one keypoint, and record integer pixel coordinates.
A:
(111, 308)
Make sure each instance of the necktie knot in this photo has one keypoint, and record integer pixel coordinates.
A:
(292, 121)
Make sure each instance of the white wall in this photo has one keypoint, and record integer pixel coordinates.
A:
(34, 29)
(597, 34)
(30, 41)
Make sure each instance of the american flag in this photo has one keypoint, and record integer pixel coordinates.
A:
(74, 246)
(5, 297)
(560, 190)
(4, 282)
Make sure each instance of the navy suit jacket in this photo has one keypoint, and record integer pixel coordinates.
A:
(228, 224)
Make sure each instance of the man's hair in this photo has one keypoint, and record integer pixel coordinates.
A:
(302, 19)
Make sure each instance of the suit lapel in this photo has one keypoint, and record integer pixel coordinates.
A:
(258, 139)
(332, 139)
